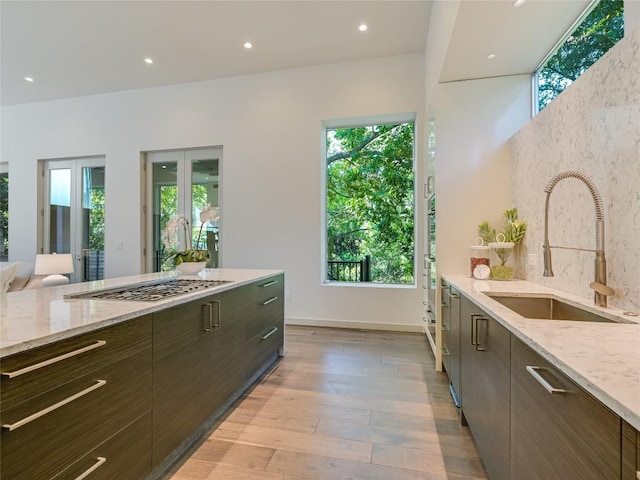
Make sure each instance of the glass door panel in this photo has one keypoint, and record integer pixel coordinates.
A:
(165, 207)
(74, 214)
(204, 191)
(60, 211)
(182, 182)
(92, 214)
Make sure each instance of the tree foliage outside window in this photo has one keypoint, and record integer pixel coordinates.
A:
(4, 216)
(96, 219)
(370, 199)
(598, 32)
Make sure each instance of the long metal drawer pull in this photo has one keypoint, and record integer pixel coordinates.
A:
(218, 303)
(51, 361)
(92, 468)
(474, 328)
(268, 284)
(478, 347)
(267, 302)
(55, 406)
(454, 295)
(547, 386)
(271, 332)
(209, 317)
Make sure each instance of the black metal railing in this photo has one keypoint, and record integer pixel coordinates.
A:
(350, 271)
(93, 265)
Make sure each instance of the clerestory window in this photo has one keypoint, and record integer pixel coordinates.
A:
(600, 28)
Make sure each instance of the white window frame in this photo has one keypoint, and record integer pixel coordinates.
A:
(352, 122)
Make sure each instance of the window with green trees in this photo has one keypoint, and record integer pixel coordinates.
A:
(370, 203)
(600, 30)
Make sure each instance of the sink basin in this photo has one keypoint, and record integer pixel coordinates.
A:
(547, 308)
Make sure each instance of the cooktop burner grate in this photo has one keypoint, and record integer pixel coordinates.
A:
(151, 292)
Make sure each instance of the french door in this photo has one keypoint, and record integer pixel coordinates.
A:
(73, 213)
(182, 182)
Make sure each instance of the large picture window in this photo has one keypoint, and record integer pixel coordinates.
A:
(370, 203)
(599, 30)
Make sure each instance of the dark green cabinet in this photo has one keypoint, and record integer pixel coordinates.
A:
(557, 429)
(485, 386)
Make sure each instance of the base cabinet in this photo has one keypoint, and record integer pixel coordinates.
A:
(557, 429)
(124, 401)
(485, 381)
(92, 388)
(204, 353)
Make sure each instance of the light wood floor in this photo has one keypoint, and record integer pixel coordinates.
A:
(342, 404)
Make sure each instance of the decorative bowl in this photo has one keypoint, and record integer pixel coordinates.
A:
(190, 268)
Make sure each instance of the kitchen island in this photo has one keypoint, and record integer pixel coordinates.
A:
(545, 398)
(120, 388)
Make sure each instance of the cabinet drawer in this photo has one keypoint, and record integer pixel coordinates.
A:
(53, 365)
(263, 346)
(72, 419)
(263, 315)
(126, 455)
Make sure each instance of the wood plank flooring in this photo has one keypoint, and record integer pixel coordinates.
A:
(342, 404)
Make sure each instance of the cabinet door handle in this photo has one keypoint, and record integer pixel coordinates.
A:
(55, 406)
(445, 351)
(268, 284)
(445, 328)
(271, 332)
(478, 347)
(209, 322)
(474, 328)
(547, 386)
(92, 468)
(454, 295)
(51, 361)
(267, 302)
(218, 305)
(445, 305)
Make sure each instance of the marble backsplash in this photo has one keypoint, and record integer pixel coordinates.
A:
(592, 127)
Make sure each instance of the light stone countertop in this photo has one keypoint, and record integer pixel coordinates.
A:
(603, 358)
(36, 317)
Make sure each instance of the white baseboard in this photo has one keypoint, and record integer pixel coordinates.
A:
(316, 322)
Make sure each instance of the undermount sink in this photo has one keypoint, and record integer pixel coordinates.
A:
(546, 308)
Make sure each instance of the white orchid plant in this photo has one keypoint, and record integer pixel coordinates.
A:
(171, 242)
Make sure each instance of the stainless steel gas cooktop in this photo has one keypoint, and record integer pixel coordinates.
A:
(150, 291)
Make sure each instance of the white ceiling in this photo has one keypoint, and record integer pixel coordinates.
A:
(75, 48)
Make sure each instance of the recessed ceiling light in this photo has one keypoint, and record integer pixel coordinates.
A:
(362, 27)
(148, 60)
(518, 3)
(29, 79)
(491, 56)
(248, 45)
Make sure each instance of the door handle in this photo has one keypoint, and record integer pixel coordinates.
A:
(486, 335)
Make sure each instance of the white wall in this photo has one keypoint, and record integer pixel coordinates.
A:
(269, 126)
(474, 121)
(592, 127)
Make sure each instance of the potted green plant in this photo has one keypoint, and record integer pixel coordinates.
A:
(502, 243)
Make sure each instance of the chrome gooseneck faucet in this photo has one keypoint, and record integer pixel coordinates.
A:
(599, 285)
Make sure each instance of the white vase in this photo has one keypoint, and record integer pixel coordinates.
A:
(190, 268)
